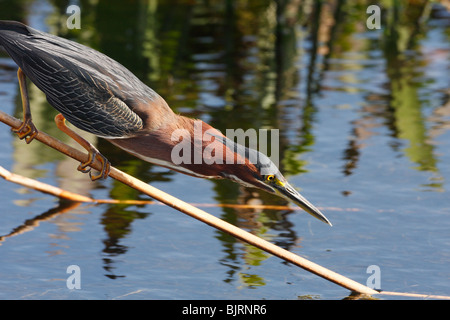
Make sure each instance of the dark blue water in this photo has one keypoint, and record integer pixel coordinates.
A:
(364, 120)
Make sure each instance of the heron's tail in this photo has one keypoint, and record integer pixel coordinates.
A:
(13, 26)
(14, 39)
(10, 30)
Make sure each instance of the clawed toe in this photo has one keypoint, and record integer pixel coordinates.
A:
(26, 131)
(106, 165)
(93, 153)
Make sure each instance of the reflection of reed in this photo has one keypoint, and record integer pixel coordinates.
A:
(403, 34)
(30, 224)
(42, 187)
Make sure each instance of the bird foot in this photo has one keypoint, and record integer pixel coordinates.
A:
(26, 131)
(106, 165)
(93, 153)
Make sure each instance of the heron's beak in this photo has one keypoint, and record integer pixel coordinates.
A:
(289, 193)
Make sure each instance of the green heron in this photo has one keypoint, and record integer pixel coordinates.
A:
(100, 96)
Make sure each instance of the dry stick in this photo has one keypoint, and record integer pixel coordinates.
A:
(43, 187)
(61, 193)
(415, 295)
(58, 192)
(77, 198)
(187, 209)
(200, 214)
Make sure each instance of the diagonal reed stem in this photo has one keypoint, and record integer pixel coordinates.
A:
(199, 214)
(189, 210)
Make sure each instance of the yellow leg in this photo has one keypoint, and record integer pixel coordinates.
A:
(27, 129)
(93, 153)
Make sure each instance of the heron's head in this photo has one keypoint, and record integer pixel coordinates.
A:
(257, 170)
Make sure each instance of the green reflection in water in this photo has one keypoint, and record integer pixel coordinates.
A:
(404, 65)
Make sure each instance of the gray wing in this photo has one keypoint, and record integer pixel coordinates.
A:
(86, 102)
(93, 92)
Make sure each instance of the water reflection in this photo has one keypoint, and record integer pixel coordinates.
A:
(256, 64)
(117, 221)
(30, 224)
(271, 225)
(404, 69)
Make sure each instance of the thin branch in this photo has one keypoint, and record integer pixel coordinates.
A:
(42, 187)
(68, 195)
(180, 206)
(199, 214)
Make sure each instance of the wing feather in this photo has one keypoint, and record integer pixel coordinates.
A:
(93, 92)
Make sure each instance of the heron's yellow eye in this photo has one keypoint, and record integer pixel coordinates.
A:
(270, 178)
